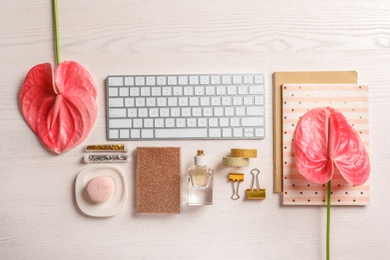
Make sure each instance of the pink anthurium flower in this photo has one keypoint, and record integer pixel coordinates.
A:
(323, 140)
(60, 107)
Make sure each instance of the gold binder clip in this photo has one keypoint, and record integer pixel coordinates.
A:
(233, 178)
(258, 193)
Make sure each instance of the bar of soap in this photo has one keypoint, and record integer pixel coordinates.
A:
(158, 180)
(100, 189)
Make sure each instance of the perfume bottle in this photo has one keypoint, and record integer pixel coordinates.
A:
(200, 181)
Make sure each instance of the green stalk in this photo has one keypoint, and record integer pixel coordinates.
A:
(328, 223)
(56, 34)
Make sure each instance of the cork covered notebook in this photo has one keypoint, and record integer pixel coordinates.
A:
(352, 101)
(158, 180)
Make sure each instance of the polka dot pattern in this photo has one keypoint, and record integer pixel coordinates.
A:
(352, 101)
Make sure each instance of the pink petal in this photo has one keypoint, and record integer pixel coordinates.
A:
(311, 146)
(322, 138)
(348, 151)
(36, 90)
(74, 114)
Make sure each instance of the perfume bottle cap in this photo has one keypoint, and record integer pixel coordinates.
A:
(200, 158)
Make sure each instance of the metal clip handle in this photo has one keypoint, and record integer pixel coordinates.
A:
(257, 171)
(235, 195)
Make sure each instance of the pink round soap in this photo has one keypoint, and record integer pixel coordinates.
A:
(100, 189)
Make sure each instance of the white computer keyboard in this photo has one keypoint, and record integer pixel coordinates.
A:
(152, 107)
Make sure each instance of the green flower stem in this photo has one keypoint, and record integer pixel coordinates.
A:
(56, 34)
(328, 223)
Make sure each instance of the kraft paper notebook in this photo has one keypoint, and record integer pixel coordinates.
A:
(352, 101)
(158, 180)
(279, 78)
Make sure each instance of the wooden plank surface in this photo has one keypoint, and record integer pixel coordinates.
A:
(39, 216)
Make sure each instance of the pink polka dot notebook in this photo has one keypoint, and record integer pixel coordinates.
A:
(349, 99)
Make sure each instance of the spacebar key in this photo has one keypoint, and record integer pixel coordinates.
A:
(181, 133)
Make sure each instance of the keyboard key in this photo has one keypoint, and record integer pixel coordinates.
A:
(139, 81)
(214, 132)
(119, 123)
(259, 79)
(183, 80)
(227, 132)
(259, 132)
(116, 102)
(156, 91)
(256, 89)
(188, 91)
(148, 123)
(202, 122)
(204, 80)
(183, 101)
(237, 132)
(145, 91)
(191, 122)
(140, 102)
(180, 122)
(237, 79)
(172, 80)
(243, 90)
(167, 91)
(137, 123)
(113, 134)
(135, 133)
(172, 102)
(123, 92)
(224, 121)
(196, 111)
(194, 80)
(194, 101)
(113, 92)
(226, 79)
(248, 101)
(142, 112)
(159, 122)
(161, 102)
(177, 91)
(151, 102)
(210, 90)
(115, 81)
(153, 112)
(221, 90)
(117, 112)
(248, 79)
(254, 111)
(255, 121)
(232, 90)
(150, 81)
(129, 81)
(199, 91)
(124, 133)
(213, 122)
(259, 100)
(134, 92)
(161, 80)
(215, 80)
(186, 112)
(181, 133)
(129, 102)
(147, 133)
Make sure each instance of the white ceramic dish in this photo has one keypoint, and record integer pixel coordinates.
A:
(114, 204)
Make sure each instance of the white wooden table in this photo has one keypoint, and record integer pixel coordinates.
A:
(38, 215)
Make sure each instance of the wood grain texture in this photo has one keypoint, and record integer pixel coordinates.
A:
(39, 218)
